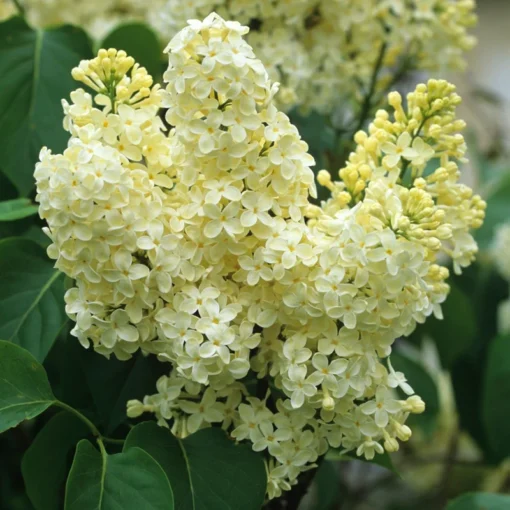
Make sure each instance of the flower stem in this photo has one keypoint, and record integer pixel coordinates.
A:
(82, 417)
(19, 7)
(367, 102)
(101, 440)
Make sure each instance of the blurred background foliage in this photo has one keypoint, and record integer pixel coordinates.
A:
(460, 366)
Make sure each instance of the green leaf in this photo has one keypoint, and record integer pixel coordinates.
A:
(35, 74)
(112, 383)
(25, 226)
(498, 211)
(17, 209)
(496, 397)
(486, 290)
(320, 136)
(31, 297)
(139, 41)
(456, 332)
(45, 464)
(131, 480)
(66, 375)
(382, 460)
(24, 388)
(207, 470)
(480, 501)
(424, 386)
(328, 487)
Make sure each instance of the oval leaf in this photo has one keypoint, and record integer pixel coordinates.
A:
(17, 209)
(382, 460)
(131, 480)
(456, 332)
(328, 487)
(498, 211)
(31, 297)
(424, 386)
(51, 449)
(140, 42)
(24, 388)
(207, 470)
(35, 74)
(496, 397)
(480, 501)
(112, 383)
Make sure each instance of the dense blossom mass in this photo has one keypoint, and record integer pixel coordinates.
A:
(323, 52)
(199, 245)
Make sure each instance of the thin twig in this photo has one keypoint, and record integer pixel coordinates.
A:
(19, 7)
(413, 138)
(336, 161)
(367, 101)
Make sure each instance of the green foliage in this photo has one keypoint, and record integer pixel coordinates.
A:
(112, 383)
(480, 501)
(16, 209)
(130, 480)
(423, 384)
(51, 449)
(35, 67)
(24, 388)
(139, 41)
(320, 137)
(485, 289)
(456, 332)
(327, 486)
(498, 211)
(382, 460)
(207, 470)
(31, 297)
(496, 397)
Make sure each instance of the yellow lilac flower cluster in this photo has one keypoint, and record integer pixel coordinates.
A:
(200, 246)
(98, 17)
(7, 9)
(406, 168)
(323, 52)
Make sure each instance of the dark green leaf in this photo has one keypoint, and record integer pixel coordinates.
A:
(46, 463)
(424, 386)
(35, 74)
(382, 460)
(320, 136)
(456, 332)
(498, 211)
(24, 227)
(7, 190)
(139, 41)
(207, 470)
(24, 388)
(496, 397)
(327, 486)
(65, 372)
(486, 290)
(17, 209)
(131, 480)
(480, 501)
(112, 383)
(31, 297)
(35, 233)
